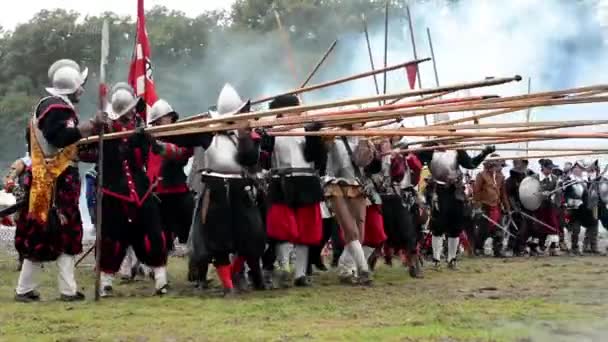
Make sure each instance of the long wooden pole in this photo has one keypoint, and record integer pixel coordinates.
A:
(340, 80)
(300, 109)
(366, 116)
(548, 155)
(288, 50)
(249, 120)
(544, 149)
(529, 111)
(417, 132)
(428, 34)
(413, 40)
(578, 92)
(319, 63)
(386, 44)
(534, 129)
(517, 124)
(371, 56)
(465, 146)
(103, 94)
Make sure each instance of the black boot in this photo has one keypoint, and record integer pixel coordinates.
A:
(73, 298)
(32, 296)
(415, 266)
(365, 278)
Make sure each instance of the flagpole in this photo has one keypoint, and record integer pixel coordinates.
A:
(103, 92)
(411, 26)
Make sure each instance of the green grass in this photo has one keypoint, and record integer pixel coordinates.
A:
(545, 299)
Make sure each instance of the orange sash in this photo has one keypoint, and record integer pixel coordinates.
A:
(44, 176)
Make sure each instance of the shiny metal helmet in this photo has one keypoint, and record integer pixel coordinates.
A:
(530, 193)
(158, 110)
(122, 100)
(66, 77)
(229, 103)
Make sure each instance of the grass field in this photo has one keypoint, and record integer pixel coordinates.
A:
(538, 299)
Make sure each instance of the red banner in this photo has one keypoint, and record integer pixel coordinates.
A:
(411, 70)
(140, 74)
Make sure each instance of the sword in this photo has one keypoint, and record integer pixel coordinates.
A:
(496, 224)
(12, 209)
(103, 93)
(538, 221)
(512, 221)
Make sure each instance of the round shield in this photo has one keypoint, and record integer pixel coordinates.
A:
(593, 196)
(603, 190)
(530, 193)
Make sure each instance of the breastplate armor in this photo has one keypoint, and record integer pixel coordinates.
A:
(339, 164)
(221, 156)
(289, 153)
(444, 166)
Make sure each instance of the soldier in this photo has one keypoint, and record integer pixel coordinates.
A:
(396, 181)
(228, 211)
(489, 197)
(581, 208)
(521, 225)
(131, 215)
(295, 194)
(52, 226)
(549, 209)
(448, 198)
(16, 182)
(349, 193)
(176, 200)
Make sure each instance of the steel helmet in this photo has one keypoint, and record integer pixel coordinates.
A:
(158, 110)
(229, 102)
(66, 77)
(122, 100)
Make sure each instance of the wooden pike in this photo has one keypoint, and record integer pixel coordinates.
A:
(549, 155)
(578, 92)
(249, 120)
(268, 113)
(371, 56)
(428, 34)
(103, 94)
(386, 45)
(285, 38)
(544, 149)
(543, 124)
(340, 80)
(464, 146)
(418, 132)
(319, 63)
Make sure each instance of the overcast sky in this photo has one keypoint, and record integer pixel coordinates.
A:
(22, 11)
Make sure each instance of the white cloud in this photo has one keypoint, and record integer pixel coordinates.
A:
(22, 11)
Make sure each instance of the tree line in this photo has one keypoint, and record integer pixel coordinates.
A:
(179, 43)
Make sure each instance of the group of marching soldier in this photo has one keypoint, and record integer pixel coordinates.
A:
(253, 201)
